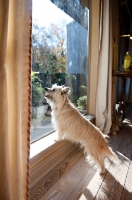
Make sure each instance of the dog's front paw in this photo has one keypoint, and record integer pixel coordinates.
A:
(58, 139)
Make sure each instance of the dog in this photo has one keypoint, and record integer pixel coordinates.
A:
(70, 124)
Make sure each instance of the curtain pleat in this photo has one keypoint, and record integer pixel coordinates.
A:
(14, 98)
(103, 96)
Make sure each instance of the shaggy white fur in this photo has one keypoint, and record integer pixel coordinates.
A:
(72, 125)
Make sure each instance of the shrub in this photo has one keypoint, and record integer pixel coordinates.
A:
(37, 90)
(82, 103)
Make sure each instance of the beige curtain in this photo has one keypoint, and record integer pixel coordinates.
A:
(104, 83)
(14, 98)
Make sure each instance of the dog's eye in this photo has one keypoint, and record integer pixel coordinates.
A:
(53, 90)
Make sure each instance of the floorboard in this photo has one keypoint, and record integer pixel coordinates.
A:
(81, 181)
(127, 192)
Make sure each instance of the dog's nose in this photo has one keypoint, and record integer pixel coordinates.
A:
(46, 88)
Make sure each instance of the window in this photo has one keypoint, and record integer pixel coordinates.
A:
(59, 55)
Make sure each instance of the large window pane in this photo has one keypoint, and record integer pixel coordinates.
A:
(59, 55)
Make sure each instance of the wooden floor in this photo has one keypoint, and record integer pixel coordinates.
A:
(80, 181)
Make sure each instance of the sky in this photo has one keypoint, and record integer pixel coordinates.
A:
(45, 12)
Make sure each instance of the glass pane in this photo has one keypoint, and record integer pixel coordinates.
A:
(59, 55)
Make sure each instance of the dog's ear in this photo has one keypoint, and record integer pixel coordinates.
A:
(65, 90)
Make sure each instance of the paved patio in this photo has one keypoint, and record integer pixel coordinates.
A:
(40, 127)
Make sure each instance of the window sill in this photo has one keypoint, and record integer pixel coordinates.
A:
(42, 144)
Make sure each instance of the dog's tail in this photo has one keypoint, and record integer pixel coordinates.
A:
(112, 155)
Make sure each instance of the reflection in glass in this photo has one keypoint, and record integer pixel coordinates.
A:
(59, 55)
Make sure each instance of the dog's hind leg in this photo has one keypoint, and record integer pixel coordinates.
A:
(101, 165)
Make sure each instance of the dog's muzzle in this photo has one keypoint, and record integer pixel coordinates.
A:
(48, 92)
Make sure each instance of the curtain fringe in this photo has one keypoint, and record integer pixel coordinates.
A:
(29, 102)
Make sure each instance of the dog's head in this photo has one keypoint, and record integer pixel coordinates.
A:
(56, 93)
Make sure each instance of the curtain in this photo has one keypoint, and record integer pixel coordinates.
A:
(14, 99)
(104, 82)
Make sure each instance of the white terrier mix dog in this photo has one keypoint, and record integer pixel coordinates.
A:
(70, 124)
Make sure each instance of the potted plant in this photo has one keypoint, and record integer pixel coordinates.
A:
(82, 104)
(39, 107)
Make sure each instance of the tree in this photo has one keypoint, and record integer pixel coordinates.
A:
(48, 49)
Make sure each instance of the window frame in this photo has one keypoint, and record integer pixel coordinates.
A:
(53, 148)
